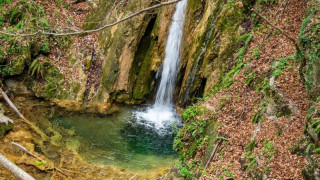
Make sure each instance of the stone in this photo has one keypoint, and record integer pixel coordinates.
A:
(18, 88)
(6, 124)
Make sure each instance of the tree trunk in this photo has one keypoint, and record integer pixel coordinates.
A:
(14, 169)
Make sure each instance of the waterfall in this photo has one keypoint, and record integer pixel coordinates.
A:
(163, 112)
(172, 57)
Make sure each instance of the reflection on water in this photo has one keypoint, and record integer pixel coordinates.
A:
(120, 140)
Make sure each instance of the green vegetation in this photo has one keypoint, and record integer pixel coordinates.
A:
(192, 112)
(279, 67)
(268, 150)
(191, 139)
(38, 67)
(309, 41)
(266, 2)
(45, 48)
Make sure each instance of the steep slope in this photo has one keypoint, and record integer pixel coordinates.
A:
(257, 109)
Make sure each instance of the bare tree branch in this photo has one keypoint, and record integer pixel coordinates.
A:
(16, 171)
(24, 119)
(285, 4)
(214, 152)
(303, 63)
(279, 29)
(41, 32)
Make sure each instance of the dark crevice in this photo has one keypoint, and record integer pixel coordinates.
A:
(141, 54)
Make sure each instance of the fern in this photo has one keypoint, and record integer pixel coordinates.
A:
(316, 126)
(315, 123)
(38, 68)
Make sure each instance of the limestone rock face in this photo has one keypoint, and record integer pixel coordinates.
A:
(132, 51)
(210, 38)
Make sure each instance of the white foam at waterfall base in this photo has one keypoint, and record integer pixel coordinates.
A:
(160, 118)
(163, 114)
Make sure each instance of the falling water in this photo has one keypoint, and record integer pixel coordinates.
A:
(163, 112)
(172, 57)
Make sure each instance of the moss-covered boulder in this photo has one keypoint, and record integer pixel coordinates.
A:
(75, 88)
(49, 81)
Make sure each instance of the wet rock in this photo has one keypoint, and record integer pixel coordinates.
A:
(18, 88)
(6, 124)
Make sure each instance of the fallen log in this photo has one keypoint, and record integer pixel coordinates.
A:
(215, 150)
(14, 169)
(24, 119)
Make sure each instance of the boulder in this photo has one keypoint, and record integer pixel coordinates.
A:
(18, 88)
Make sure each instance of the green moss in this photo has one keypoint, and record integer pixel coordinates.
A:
(2, 20)
(35, 48)
(76, 88)
(229, 20)
(5, 128)
(64, 43)
(50, 84)
(15, 16)
(2, 56)
(97, 15)
(142, 84)
(310, 43)
(195, 136)
(87, 63)
(45, 48)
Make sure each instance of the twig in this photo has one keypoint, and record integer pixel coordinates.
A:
(280, 17)
(214, 152)
(40, 32)
(35, 156)
(166, 173)
(24, 119)
(296, 44)
(282, 31)
(133, 176)
(14, 169)
(243, 106)
(25, 150)
(53, 175)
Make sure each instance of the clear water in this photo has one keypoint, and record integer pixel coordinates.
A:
(122, 141)
(163, 112)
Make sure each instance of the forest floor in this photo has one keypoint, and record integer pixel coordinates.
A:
(273, 137)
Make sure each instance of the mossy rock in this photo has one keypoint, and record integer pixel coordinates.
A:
(50, 84)
(6, 125)
(34, 48)
(17, 65)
